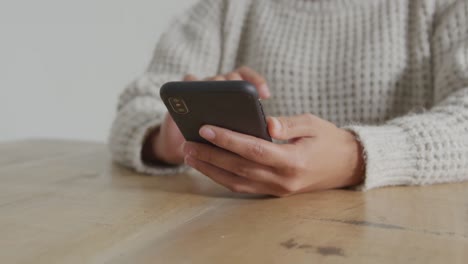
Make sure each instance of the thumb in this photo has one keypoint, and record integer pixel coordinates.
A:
(285, 128)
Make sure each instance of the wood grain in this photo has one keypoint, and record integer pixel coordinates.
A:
(65, 202)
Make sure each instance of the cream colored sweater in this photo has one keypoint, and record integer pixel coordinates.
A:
(393, 71)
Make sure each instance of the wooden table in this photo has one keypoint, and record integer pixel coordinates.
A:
(65, 202)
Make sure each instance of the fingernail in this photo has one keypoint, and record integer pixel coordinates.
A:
(181, 149)
(185, 148)
(276, 124)
(264, 87)
(207, 133)
(188, 150)
(189, 160)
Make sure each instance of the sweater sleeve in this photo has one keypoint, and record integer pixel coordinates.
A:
(429, 147)
(192, 44)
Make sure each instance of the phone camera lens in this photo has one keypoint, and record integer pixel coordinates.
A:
(178, 105)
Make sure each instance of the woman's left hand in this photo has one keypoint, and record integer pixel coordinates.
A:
(318, 156)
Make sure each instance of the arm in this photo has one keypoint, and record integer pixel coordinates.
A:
(416, 149)
(431, 147)
(191, 44)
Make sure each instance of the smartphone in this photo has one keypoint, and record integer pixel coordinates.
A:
(233, 105)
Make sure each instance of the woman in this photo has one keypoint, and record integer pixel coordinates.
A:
(368, 92)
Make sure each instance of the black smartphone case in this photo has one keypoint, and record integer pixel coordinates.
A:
(233, 105)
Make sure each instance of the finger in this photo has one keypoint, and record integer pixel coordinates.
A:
(233, 76)
(190, 77)
(284, 128)
(215, 78)
(227, 179)
(231, 162)
(169, 126)
(256, 79)
(249, 147)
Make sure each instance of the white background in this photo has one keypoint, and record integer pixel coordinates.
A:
(63, 63)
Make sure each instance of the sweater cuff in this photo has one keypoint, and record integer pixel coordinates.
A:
(129, 131)
(390, 156)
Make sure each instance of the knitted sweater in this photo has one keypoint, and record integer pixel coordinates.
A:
(395, 72)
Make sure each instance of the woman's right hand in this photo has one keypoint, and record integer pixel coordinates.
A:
(165, 144)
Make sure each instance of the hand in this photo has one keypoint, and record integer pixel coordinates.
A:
(318, 156)
(165, 143)
(245, 73)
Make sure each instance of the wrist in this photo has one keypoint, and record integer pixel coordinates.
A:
(357, 168)
(149, 150)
